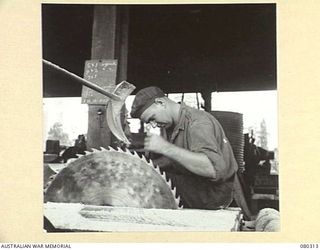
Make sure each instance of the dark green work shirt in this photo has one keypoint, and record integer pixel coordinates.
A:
(198, 131)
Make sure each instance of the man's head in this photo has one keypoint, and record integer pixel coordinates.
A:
(152, 106)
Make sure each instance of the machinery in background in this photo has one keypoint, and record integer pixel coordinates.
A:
(56, 153)
(52, 152)
(260, 178)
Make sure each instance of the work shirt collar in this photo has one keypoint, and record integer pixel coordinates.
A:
(180, 125)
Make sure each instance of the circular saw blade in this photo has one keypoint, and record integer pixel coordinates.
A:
(113, 178)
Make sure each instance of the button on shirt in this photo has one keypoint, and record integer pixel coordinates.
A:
(198, 131)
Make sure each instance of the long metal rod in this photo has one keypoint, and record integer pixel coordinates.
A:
(84, 81)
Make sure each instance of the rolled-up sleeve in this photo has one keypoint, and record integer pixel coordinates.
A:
(202, 139)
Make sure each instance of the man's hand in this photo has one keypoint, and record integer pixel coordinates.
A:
(198, 163)
(156, 143)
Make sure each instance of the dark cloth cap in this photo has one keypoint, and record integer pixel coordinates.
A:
(144, 99)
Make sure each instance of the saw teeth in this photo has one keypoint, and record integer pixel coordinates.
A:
(169, 183)
(174, 191)
(47, 185)
(52, 177)
(158, 170)
(95, 150)
(87, 152)
(144, 159)
(127, 151)
(111, 148)
(103, 149)
(178, 201)
(136, 154)
(180, 207)
(165, 177)
(151, 163)
(79, 155)
(120, 150)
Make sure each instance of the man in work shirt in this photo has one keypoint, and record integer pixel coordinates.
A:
(195, 153)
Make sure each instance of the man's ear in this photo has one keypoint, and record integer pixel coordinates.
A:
(159, 100)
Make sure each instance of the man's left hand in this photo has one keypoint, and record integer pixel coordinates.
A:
(156, 143)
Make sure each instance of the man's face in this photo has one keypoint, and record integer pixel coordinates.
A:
(158, 116)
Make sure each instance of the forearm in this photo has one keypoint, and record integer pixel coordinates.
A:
(197, 163)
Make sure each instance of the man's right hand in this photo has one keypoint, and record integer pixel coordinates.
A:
(156, 144)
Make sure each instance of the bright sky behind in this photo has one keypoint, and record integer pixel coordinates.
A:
(254, 105)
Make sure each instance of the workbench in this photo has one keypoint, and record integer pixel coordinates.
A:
(80, 217)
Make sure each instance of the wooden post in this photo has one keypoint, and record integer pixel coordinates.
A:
(122, 44)
(109, 41)
(206, 95)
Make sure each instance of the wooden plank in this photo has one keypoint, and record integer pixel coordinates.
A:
(79, 217)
